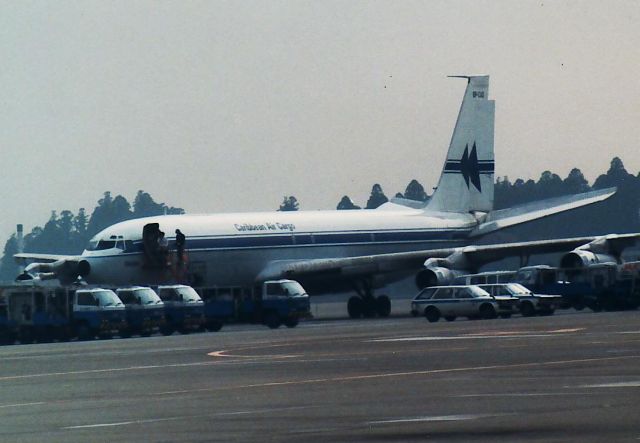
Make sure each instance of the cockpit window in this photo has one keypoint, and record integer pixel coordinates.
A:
(113, 242)
(105, 244)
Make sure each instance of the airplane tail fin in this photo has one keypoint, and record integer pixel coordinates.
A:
(466, 183)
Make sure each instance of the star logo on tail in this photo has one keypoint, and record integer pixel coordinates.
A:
(470, 167)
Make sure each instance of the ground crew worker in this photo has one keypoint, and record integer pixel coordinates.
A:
(180, 241)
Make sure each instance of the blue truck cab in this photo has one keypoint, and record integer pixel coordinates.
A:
(183, 309)
(95, 312)
(144, 310)
(278, 302)
(273, 303)
(220, 306)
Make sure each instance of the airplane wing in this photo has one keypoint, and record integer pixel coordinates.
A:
(44, 258)
(49, 266)
(472, 256)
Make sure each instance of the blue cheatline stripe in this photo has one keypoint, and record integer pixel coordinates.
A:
(484, 167)
(307, 239)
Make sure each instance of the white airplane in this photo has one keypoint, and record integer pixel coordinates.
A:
(358, 250)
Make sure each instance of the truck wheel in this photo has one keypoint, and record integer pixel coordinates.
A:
(432, 314)
(355, 307)
(7, 337)
(166, 330)
(125, 333)
(62, 334)
(42, 335)
(291, 322)
(383, 306)
(488, 312)
(527, 309)
(548, 312)
(84, 332)
(214, 325)
(26, 336)
(272, 320)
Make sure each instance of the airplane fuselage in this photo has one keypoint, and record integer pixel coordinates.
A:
(233, 249)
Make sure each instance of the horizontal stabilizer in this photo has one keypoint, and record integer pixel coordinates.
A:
(531, 211)
(415, 204)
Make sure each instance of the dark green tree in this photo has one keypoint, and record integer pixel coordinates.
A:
(346, 203)
(376, 198)
(8, 267)
(575, 183)
(108, 212)
(415, 191)
(616, 176)
(289, 203)
(550, 185)
(145, 206)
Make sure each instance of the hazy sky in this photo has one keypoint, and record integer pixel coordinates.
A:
(229, 106)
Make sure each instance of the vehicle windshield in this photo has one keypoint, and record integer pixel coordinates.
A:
(478, 292)
(107, 298)
(148, 297)
(425, 294)
(188, 294)
(293, 288)
(526, 275)
(518, 289)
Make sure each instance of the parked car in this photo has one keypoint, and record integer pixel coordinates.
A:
(529, 303)
(461, 301)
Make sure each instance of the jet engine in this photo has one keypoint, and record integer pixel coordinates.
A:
(67, 271)
(580, 258)
(442, 271)
(606, 249)
(436, 276)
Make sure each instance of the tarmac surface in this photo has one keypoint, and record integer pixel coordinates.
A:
(568, 377)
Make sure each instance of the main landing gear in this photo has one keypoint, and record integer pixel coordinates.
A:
(365, 304)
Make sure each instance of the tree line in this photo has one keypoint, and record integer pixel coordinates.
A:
(69, 233)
